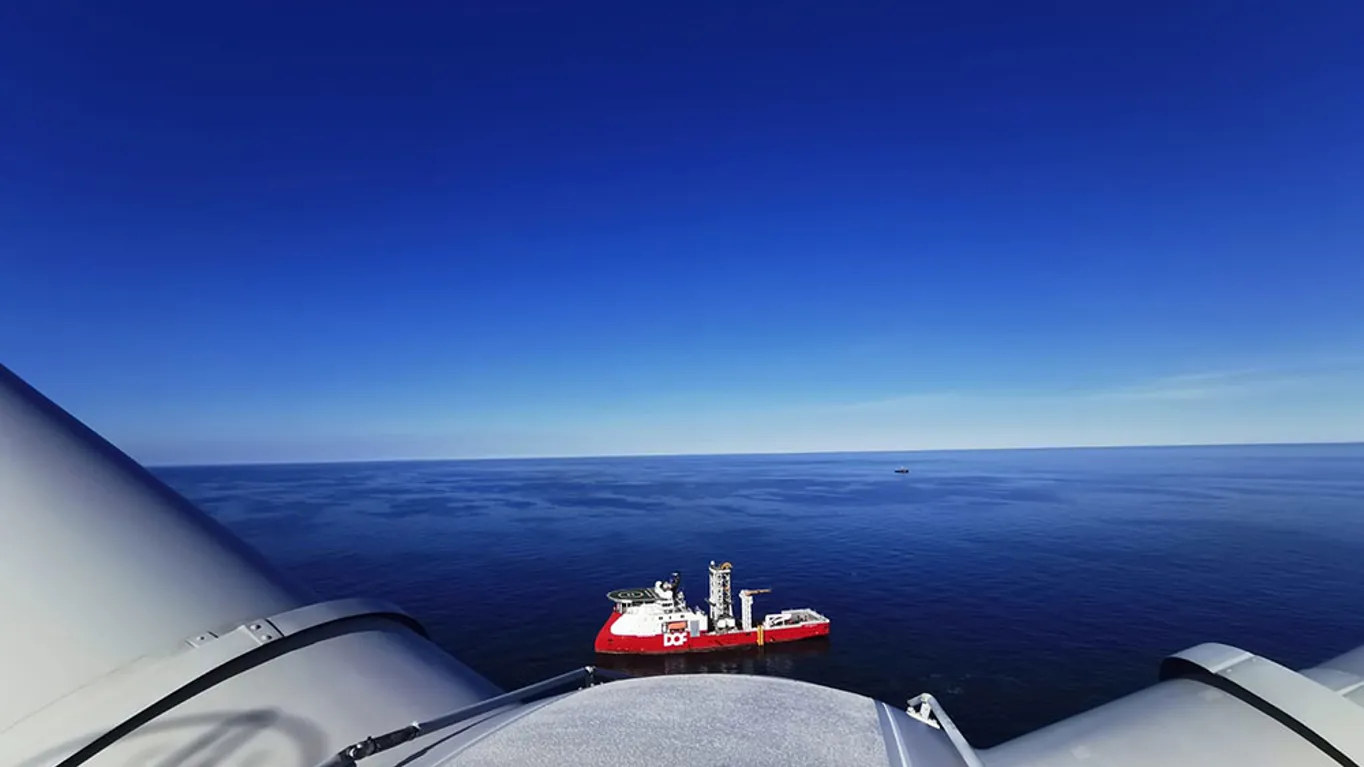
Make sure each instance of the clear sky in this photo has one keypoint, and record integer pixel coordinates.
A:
(334, 230)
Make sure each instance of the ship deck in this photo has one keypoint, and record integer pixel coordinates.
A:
(633, 596)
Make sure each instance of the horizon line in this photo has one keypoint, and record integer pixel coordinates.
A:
(755, 453)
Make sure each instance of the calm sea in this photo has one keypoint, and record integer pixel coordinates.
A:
(1017, 586)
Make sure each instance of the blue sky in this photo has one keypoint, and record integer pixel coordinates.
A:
(344, 230)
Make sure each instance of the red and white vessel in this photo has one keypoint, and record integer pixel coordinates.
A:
(658, 620)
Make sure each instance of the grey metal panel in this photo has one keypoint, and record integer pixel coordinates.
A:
(913, 744)
(1335, 680)
(1313, 710)
(896, 753)
(1351, 662)
(318, 613)
(119, 697)
(927, 709)
(101, 563)
(301, 707)
(1177, 723)
(126, 595)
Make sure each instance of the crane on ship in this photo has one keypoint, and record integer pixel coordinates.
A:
(746, 612)
(746, 605)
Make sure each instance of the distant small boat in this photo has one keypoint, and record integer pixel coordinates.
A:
(902, 470)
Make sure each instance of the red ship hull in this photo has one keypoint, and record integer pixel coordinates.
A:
(668, 644)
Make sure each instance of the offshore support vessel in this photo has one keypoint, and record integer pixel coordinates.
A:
(657, 620)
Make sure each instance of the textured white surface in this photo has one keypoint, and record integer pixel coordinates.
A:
(692, 719)
(642, 621)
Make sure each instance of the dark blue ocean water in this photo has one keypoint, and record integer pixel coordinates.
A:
(1017, 586)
